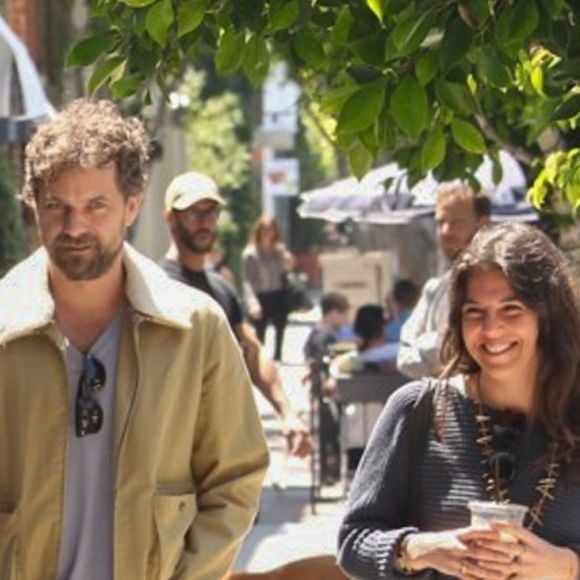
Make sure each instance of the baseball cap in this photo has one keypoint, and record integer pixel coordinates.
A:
(189, 188)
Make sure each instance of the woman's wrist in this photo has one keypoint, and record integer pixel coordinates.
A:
(410, 551)
(573, 565)
(403, 561)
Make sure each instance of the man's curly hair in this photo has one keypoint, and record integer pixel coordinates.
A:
(86, 134)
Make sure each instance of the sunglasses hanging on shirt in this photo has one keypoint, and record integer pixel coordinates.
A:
(89, 413)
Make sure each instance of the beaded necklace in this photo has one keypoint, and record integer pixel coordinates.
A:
(496, 487)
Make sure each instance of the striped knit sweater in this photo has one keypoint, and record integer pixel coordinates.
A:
(449, 474)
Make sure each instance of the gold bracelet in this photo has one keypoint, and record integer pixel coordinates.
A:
(403, 562)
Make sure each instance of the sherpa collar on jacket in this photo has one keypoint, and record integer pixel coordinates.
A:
(26, 303)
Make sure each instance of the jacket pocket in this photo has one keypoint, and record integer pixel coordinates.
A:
(174, 515)
(8, 546)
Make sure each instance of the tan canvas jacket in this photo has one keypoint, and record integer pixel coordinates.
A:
(189, 448)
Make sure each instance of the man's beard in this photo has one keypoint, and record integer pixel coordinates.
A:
(89, 264)
(188, 240)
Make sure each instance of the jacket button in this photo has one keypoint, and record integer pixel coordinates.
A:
(182, 506)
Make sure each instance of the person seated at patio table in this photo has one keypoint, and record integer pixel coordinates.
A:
(373, 353)
(370, 356)
(399, 302)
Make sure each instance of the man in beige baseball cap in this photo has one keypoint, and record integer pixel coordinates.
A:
(192, 207)
(188, 188)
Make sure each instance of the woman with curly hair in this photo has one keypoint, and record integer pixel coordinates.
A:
(502, 423)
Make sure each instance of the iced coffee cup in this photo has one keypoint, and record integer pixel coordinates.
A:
(484, 512)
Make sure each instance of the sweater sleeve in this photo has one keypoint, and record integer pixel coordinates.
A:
(376, 517)
(250, 278)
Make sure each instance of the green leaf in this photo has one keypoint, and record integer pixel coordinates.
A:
(346, 140)
(467, 137)
(362, 108)
(410, 32)
(360, 160)
(391, 7)
(455, 43)
(332, 101)
(537, 80)
(387, 130)
(342, 26)
(159, 20)
(492, 70)
(126, 86)
(244, 14)
(572, 192)
(433, 150)
(256, 61)
(538, 192)
(89, 49)
(525, 19)
(308, 48)
(370, 49)
(377, 8)
(503, 29)
(230, 51)
(138, 3)
(426, 68)
(553, 7)
(370, 139)
(515, 24)
(391, 51)
(110, 68)
(567, 109)
(409, 106)
(284, 14)
(189, 16)
(455, 96)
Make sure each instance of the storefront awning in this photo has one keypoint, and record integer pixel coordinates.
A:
(383, 196)
(23, 101)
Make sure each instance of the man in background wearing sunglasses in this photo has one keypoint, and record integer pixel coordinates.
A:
(192, 208)
(130, 445)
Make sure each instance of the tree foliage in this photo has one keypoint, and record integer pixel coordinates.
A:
(217, 144)
(13, 243)
(438, 83)
(214, 126)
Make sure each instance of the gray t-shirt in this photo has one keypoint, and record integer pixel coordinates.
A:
(86, 551)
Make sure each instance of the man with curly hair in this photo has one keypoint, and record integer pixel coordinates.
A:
(130, 445)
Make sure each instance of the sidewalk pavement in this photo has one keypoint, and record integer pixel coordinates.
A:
(287, 529)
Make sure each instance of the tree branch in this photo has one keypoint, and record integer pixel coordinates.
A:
(519, 153)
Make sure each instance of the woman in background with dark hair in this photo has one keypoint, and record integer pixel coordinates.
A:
(503, 425)
(265, 266)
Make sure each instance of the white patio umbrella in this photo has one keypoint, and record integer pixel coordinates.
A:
(384, 196)
(22, 97)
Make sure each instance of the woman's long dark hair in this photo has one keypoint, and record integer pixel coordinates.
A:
(542, 279)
